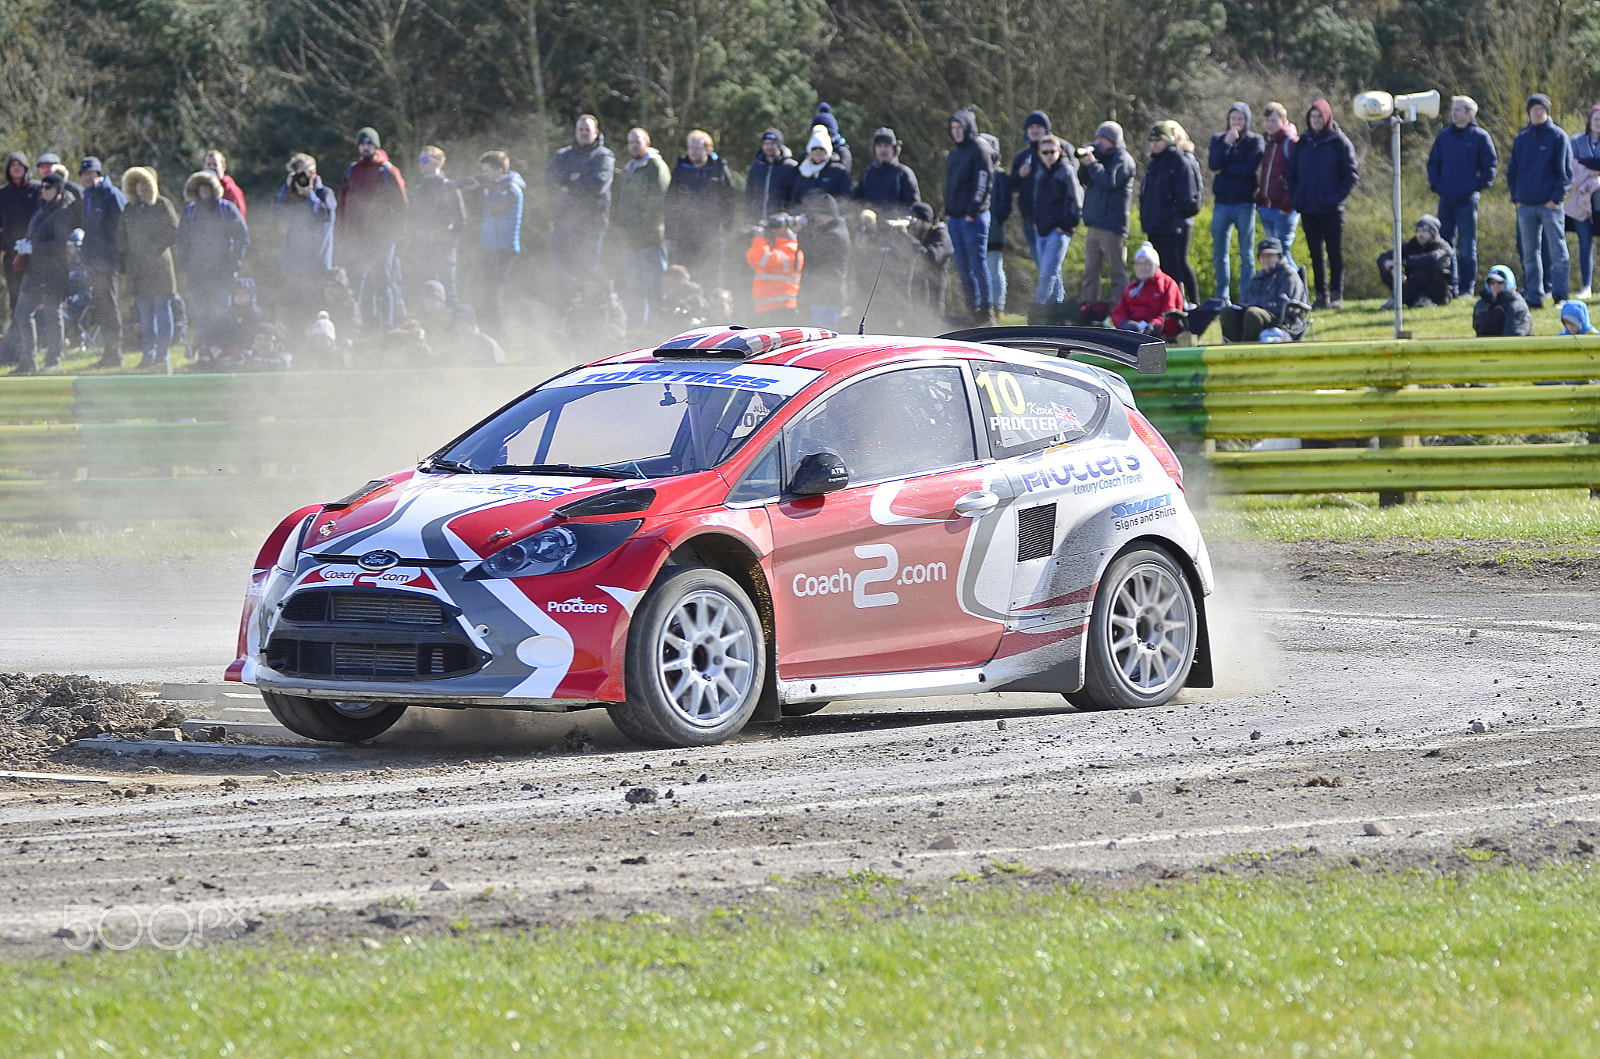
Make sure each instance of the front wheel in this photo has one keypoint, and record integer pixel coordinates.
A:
(696, 662)
(330, 721)
(1142, 634)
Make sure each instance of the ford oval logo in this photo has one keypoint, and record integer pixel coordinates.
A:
(381, 559)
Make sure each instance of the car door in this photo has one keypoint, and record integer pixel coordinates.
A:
(867, 578)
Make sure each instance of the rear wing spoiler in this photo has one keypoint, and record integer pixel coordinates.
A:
(1144, 353)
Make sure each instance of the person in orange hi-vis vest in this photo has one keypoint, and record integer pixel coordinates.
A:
(777, 261)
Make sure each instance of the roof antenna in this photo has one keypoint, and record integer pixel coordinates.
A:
(883, 258)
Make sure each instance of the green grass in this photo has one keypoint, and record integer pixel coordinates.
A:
(168, 539)
(1561, 520)
(1499, 963)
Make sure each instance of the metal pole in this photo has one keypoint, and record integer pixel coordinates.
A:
(1396, 277)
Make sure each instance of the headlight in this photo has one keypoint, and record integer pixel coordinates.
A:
(556, 550)
(291, 545)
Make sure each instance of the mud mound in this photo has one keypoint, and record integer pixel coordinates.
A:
(46, 710)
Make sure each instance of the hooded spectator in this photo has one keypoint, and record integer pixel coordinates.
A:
(1461, 165)
(1427, 276)
(700, 208)
(968, 182)
(1236, 159)
(308, 207)
(825, 250)
(212, 240)
(497, 194)
(923, 260)
(1274, 205)
(102, 255)
(820, 171)
(1169, 198)
(841, 150)
(1266, 300)
(216, 163)
(640, 208)
(1539, 176)
(19, 200)
(888, 186)
(149, 231)
(36, 325)
(1152, 295)
(436, 217)
(1322, 173)
(1575, 319)
(999, 213)
(371, 225)
(1035, 127)
(1106, 171)
(769, 185)
(579, 177)
(1584, 200)
(1500, 311)
(1057, 209)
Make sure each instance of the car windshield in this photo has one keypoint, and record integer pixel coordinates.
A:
(628, 421)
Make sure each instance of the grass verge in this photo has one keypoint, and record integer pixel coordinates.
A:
(1500, 962)
(1544, 521)
(168, 539)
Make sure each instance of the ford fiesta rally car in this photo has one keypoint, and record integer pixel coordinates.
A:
(749, 523)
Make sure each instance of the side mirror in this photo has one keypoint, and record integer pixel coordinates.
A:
(818, 473)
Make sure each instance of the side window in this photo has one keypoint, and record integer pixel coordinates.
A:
(1025, 408)
(894, 425)
(763, 480)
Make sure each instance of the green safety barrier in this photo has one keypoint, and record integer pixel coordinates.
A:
(1404, 470)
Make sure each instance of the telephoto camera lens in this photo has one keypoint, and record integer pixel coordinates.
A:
(302, 180)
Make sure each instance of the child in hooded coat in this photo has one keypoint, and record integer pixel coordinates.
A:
(1575, 319)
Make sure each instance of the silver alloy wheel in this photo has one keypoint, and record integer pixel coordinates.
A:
(705, 657)
(1151, 629)
(356, 708)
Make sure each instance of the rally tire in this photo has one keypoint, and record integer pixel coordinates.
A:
(696, 662)
(1142, 635)
(320, 719)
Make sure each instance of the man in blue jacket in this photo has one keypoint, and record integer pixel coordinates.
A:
(1235, 158)
(1461, 164)
(1539, 176)
(102, 254)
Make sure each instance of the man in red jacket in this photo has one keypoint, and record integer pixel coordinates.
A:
(371, 224)
(230, 191)
(1153, 294)
(1274, 207)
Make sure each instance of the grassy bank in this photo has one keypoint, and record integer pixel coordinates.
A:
(1558, 520)
(1500, 963)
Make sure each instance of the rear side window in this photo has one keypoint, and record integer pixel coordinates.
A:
(895, 425)
(1026, 408)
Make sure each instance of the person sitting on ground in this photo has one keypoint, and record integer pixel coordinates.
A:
(1266, 299)
(233, 329)
(80, 296)
(683, 301)
(719, 305)
(323, 350)
(1149, 298)
(1428, 273)
(595, 314)
(453, 331)
(264, 352)
(1575, 319)
(1500, 310)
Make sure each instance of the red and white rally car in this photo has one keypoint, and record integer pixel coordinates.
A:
(747, 523)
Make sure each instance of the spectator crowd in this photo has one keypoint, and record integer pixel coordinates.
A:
(384, 267)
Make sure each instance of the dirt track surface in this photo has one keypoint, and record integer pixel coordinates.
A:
(1350, 681)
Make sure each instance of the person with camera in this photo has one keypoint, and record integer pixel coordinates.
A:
(497, 194)
(776, 258)
(309, 207)
(436, 216)
(927, 277)
(1106, 171)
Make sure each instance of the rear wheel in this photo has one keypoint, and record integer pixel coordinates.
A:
(333, 721)
(696, 662)
(1142, 634)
